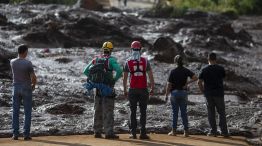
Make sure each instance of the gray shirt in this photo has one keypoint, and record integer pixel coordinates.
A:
(21, 69)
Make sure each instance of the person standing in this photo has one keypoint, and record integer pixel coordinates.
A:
(138, 67)
(125, 3)
(211, 84)
(104, 105)
(177, 85)
(24, 81)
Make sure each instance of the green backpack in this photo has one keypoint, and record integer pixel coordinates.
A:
(98, 73)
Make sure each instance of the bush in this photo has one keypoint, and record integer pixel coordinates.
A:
(66, 2)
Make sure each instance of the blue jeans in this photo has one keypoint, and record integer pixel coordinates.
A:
(21, 93)
(179, 101)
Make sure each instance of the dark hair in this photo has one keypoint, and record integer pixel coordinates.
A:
(179, 60)
(212, 56)
(22, 49)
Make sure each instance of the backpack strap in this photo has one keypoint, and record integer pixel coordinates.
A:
(106, 62)
(137, 67)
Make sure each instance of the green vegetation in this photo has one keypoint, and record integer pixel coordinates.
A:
(66, 2)
(177, 8)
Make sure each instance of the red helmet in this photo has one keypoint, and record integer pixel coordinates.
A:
(136, 45)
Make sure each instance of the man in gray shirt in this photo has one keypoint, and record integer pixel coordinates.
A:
(24, 81)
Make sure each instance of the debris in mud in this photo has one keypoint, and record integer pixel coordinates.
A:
(3, 102)
(153, 100)
(65, 109)
(63, 60)
(49, 39)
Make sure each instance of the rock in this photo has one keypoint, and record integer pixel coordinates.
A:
(4, 1)
(195, 14)
(3, 20)
(245, 37)
(88, 4)
(166, 49)
(65, 109)
(174, 27)
(230, 14)
(219, 43)
(5, 57)
(226, 30)
(93, 31)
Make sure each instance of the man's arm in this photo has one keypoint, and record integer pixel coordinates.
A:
(193, 79)
(200, 85)
(33, 80)
(86, 70)
(168, 89)
(125, 83)
(117, 68)
(152, 82)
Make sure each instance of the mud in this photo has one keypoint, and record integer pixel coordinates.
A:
(63, 39)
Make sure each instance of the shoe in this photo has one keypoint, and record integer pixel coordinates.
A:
(144, 136)
(14, 137)
(172, 133)
(98, 135)
(186, 133)
(226, 135)
(27, 138)
(212, 134)
(113, 136)
(132, 136)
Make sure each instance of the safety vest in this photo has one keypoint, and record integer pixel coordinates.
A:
(137, 70)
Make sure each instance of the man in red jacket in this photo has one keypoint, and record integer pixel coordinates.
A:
(138, 67)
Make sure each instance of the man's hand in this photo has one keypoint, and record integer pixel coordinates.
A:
(151, 92)
(125, 93)
(166, 99)
(33, 87)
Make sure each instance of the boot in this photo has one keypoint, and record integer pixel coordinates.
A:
(132, 136)
(172, 132)
(186, 133)
(113, 136)
(98, 135)
(144, 136)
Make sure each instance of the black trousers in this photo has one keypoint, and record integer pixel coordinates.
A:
(213, 104)
(140, 96)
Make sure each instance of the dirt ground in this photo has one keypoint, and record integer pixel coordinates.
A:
(156, 140)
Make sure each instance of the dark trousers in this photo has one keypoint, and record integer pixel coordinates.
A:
(213, 104)
(140, 96)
